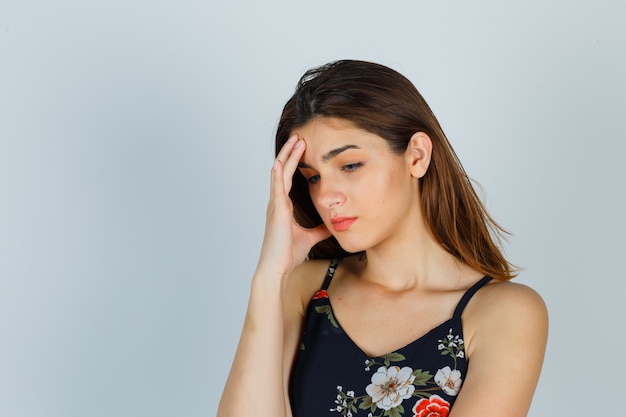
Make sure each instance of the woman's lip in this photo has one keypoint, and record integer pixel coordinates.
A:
(341, 224)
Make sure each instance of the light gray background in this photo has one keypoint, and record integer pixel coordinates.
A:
(136, 142)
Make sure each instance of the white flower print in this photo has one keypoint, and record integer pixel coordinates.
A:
(345, 402)
(390, 386)
(452, 345)
(449, 380)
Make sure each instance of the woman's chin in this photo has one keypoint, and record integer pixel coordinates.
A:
(351, 246)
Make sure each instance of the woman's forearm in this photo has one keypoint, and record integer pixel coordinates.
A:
(255, 384)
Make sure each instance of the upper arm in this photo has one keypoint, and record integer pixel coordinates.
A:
(508, 327)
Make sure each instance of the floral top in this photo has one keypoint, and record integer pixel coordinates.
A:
(333, 377)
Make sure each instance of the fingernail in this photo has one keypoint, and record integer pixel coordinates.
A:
(292, 138)
(298, 144)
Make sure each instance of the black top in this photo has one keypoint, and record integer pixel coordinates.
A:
(332, 376)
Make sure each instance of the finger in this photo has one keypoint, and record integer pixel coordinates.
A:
(284, 152)
(290, 166)
(277, 185)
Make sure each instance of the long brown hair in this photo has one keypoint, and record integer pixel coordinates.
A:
(382, 101)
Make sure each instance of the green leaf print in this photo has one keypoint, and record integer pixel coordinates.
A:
(329, 313)
(421, 377)
(367, 403)
(393, 357)
(395, 412)
(421, 394)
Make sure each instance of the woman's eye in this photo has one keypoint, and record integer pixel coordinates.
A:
(351, 167)
(313, 179)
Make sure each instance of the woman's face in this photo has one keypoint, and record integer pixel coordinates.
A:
(364, 193)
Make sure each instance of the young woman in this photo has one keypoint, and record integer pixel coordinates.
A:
(380, 288)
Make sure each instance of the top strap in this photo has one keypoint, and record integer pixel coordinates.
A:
(331, 271)
(468, 295)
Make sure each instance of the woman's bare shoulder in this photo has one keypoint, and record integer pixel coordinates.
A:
(505, 328)
(310, 272)
(309, 267)
(503, 307)
(500, 297)
(305, 280)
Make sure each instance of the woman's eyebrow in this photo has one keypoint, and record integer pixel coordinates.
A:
(330, 155)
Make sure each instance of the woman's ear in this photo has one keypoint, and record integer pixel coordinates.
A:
(418, 154)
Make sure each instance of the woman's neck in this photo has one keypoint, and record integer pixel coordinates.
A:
(419, 263)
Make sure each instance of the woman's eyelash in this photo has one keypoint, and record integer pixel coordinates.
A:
(313, 179)
(352, 167)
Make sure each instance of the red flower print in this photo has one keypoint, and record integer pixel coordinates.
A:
(320, 294)
(435, 406)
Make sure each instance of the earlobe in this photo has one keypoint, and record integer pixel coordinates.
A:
(418, 152)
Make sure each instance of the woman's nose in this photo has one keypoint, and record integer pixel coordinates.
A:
(330, 196)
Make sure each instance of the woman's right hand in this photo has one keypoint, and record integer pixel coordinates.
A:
(286, 243)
